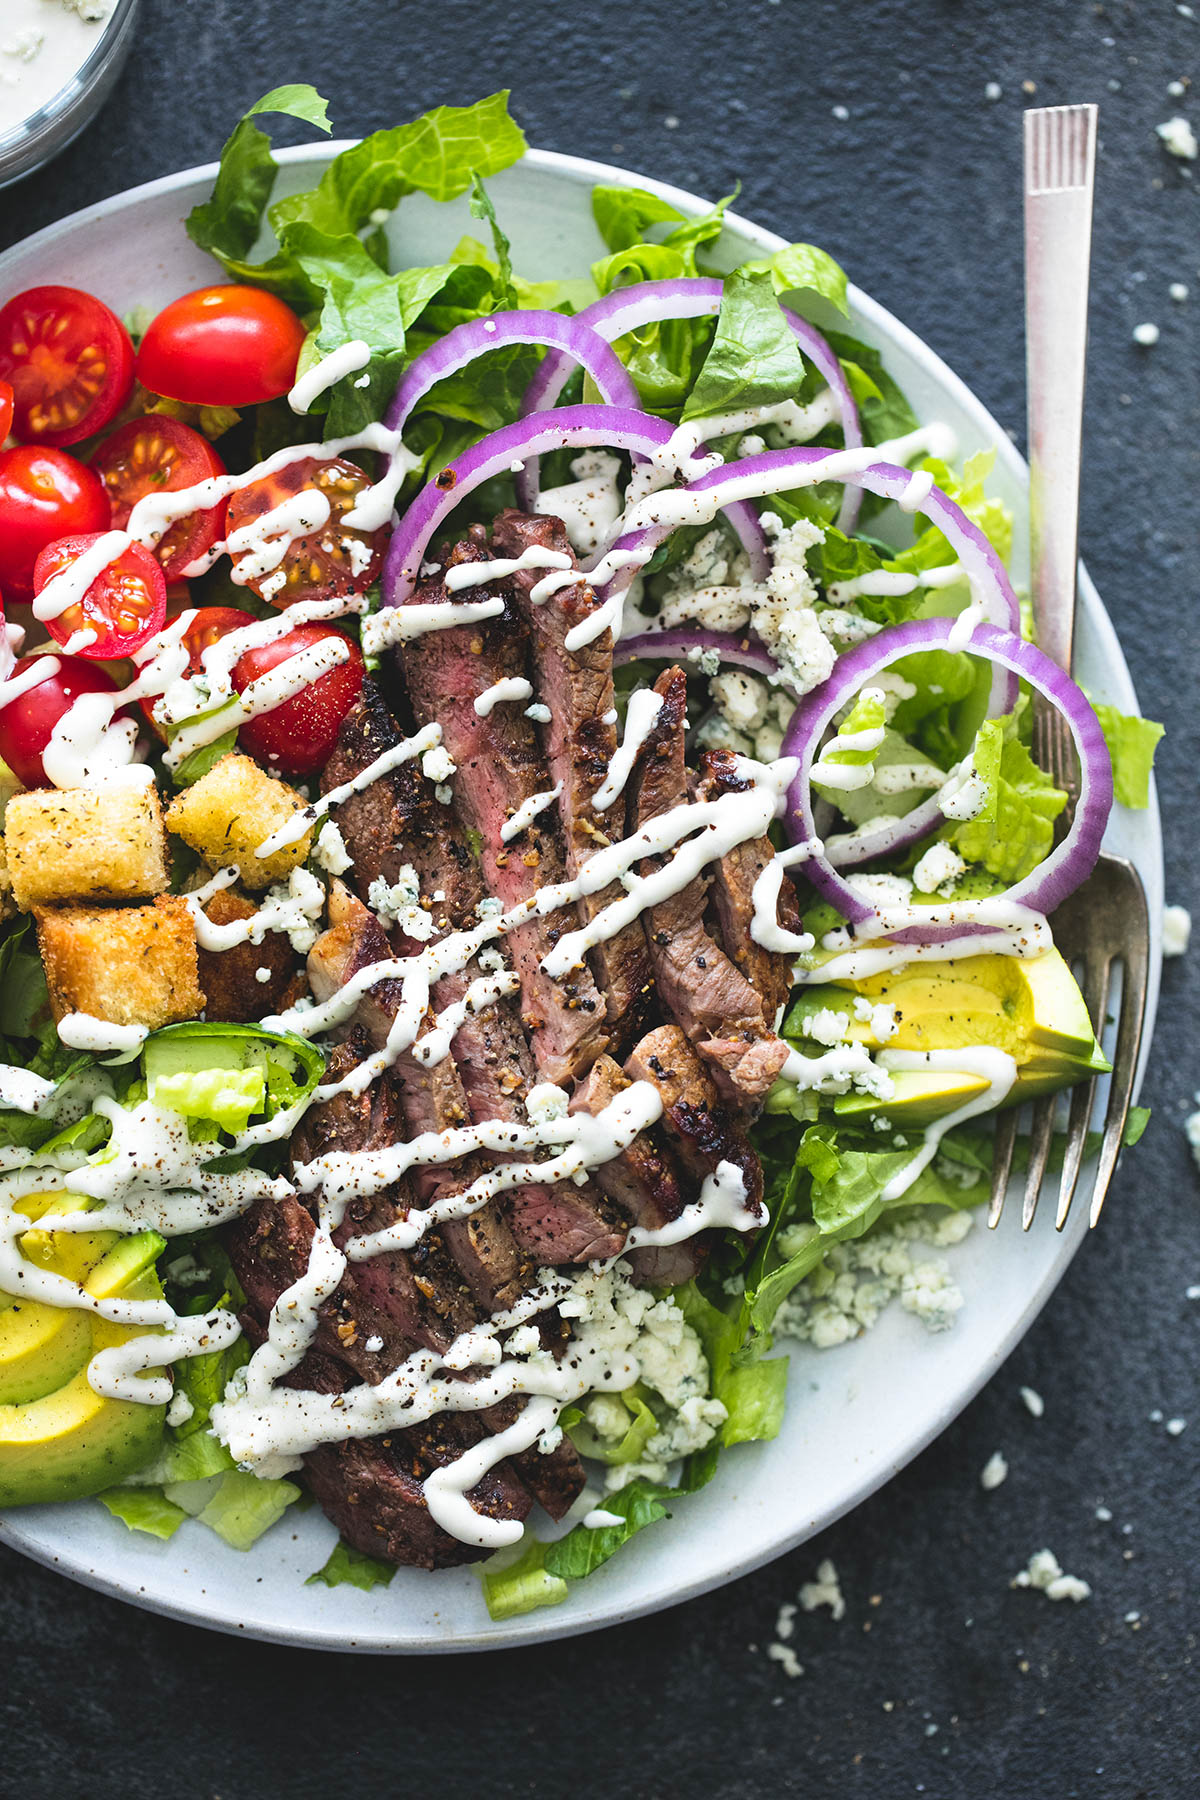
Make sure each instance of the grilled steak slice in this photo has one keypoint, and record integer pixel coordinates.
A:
(732, 892)
(645, 1182)
(501, 767)
(551, 1225)
(419, 1289)
(702, 1131)
(580, 740)
(697, 983)
(229, 978)
(432, 1098)
(370, 1488)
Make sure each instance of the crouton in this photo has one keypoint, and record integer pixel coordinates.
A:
(230, 811)
(230, 978)
(85, 844)
(131, 965)
(6, 893)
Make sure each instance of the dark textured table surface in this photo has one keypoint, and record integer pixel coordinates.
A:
(939, 1679)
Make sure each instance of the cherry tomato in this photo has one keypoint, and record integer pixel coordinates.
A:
(332, 560)
(6, 409)
(70, 362)
(222, 346)
(158, 455)
(125, 604)
(44, 494)
(27, 722)
(298, 737)
(209, 624)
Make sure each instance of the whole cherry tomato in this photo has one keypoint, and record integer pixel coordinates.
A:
(298, 737)
(222, 346)
(44, 495)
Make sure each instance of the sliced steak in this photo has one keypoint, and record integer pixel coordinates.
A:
(432, 1099)
(580, 740)
(370, 1488)
(420, 1289)
(645, 1182)
(698, 985)
(703, 1132)
(501, 767)
(732, 892)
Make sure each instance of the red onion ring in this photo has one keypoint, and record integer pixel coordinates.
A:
(687, 297)
(682, 643)
(1068, 864)
(567, 428)
(565, 337)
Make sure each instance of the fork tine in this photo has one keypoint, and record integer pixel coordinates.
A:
(1041, 1133)
(1125, 1055)
(1097, 976)
(1002, 1155)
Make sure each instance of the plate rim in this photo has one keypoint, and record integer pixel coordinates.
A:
(553, 1624)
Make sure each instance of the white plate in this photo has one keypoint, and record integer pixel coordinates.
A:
(856, 1415)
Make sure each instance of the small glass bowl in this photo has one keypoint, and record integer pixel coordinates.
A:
(52, 127)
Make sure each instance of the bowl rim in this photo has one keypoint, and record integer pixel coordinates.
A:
(568, 1621)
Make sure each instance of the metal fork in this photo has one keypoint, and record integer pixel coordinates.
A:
(1105, 923)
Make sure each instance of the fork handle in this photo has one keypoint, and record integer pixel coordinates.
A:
(1058, 230)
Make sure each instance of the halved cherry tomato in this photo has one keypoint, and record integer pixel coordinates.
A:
(70, 362)
(125, 604)
(44, 494)
(222, 346)
(209, 624)
(27, 722)
(331, 561)
(6, 410)
(158, 455)
(298, 737)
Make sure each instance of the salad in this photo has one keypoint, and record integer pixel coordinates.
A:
(523, 873)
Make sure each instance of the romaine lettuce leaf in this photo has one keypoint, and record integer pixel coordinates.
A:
(354, 1568)
(144, 1509)
(524, 1585)
(1132, 742)
(243, 1507)
(754, 359)
(637, 1505)
(804, 268)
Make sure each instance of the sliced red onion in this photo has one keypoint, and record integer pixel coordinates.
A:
(567, 428)
(568, 338)
(685, 643)
(1068, 864)
(775, 469)
(688, 297)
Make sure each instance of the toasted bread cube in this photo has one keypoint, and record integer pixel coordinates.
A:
(131, 965)
(230, 811)
(85, 844)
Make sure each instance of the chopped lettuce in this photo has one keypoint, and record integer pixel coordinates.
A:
(331, 258)
(144, 1509)
(1015, 830)
(583, 1549)
(628, 1448)
(753, 359)
(1131, 742)
(804, 268)
(524, 1585)
(353, 1568)
(243, 1507)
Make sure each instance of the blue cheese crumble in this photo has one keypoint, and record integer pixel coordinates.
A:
(846, 1295)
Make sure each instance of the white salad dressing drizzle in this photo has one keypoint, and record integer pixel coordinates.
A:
(996, 1067)
(80, 1031)
(347, 359)
(640, 718)
(118, 1372)
(527, 812)
(509, 687)
(498, 568)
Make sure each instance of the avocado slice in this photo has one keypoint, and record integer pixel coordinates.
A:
(41, 1345)
(919, 1097)
(69, 1441)
(1029, 1007)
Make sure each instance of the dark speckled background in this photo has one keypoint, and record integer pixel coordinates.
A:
(939, 1680)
